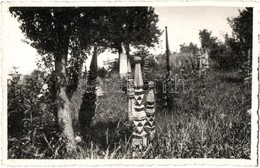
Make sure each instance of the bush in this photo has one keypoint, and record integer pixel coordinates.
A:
(30, 114)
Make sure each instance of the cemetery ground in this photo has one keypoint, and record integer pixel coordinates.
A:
(208, 117)
(205, 122)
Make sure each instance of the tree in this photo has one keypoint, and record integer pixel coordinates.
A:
(52, 31)
(206, 39)
(242, 26)
(214, 48)
(74, 66)
(117, 27)
(191, 48)
(232, 55)
(135, 26)
(241, 44)
(234, 52)
(66, 34)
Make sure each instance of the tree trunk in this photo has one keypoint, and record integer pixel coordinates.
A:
(62, 101)
(120, 50)
(127, 50)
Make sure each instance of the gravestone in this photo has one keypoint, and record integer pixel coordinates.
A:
(123, 65)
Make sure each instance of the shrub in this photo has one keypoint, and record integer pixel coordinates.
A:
(30, 114)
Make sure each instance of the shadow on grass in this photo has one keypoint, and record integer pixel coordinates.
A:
(109, 133)
(232, 79)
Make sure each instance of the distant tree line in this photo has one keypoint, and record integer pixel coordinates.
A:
(237, 49)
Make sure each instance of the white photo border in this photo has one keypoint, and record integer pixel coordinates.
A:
(216, 162)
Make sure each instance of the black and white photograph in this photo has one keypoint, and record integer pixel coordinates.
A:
(130, 82)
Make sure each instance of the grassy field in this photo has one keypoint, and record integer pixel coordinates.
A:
(207, 121)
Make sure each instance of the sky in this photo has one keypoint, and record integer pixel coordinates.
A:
(183, 25)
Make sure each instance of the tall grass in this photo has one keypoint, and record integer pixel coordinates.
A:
(218, 128)
(209, 120)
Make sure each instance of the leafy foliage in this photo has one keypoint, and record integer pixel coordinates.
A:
(242, 26)
(191, 48)
(71, 31)
(235, 52)
(30, 114)
(206, 39)
(136, 26)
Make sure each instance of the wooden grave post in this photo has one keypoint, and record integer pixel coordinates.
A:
(167, 54)
(168, 79)
(150, 110)
(139, 139)
(150, 101)
(130, 91)
(89, 100)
